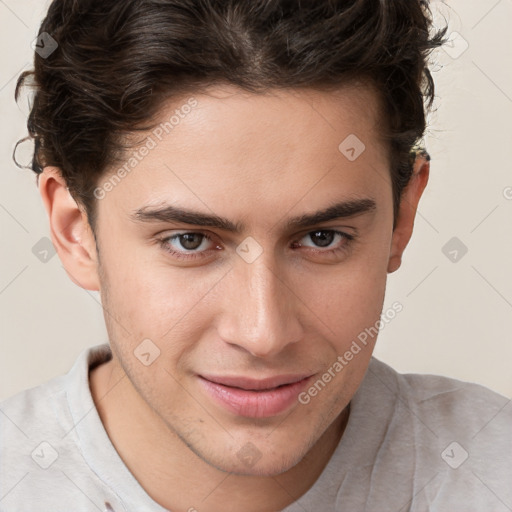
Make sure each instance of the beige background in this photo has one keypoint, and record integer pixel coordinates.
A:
(456, 317)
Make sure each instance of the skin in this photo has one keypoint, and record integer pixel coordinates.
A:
(258, 160)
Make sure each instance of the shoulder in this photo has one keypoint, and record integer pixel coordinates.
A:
(29, 411)
(444, 400)
(35, 408)
(450, 440)
(40, 456)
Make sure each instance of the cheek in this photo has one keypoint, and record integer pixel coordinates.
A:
(150, 298)
(349, 297)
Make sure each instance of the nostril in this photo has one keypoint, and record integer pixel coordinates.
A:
(108, 507)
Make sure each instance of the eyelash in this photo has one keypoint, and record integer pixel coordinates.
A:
(164, 243)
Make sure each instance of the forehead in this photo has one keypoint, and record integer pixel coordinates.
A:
(260, 150)
(242, 120)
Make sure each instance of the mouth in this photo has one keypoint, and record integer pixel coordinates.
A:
(255, 398)
(250, 384)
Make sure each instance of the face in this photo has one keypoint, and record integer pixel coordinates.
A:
(253, 287)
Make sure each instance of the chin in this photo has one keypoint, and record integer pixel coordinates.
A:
(270, 467)
(259, 458)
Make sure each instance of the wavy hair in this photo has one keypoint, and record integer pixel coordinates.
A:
(118, 61)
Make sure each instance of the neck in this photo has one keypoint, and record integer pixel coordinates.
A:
(176, 477)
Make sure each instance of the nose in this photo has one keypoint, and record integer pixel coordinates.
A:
(262, 309)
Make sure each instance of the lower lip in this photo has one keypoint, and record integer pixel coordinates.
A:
(255, 404)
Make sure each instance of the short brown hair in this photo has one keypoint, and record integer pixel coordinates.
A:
(118, 61)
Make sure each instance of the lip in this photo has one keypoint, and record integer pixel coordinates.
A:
(250, 384)
(255, 398)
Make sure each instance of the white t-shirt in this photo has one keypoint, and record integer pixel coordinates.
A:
(412, 443)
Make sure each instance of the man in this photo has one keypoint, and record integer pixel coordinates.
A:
(237, 179)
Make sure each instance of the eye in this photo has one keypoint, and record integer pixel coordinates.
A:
(186, 245)
(191, 245)
(324, 238)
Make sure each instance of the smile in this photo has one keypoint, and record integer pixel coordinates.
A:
(255, 398)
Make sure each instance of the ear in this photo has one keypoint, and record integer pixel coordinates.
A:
(407, 211)
(70, 231)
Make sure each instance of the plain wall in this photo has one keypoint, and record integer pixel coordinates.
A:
(457, 316)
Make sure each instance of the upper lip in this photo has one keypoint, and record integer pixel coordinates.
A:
(248, 383)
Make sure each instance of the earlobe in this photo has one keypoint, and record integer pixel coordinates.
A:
(70, 231)
(407, 212)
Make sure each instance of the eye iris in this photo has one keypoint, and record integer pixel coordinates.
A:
(190, 240)
(322, 238)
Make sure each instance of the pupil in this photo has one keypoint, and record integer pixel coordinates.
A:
(187, 240)
(322, 238)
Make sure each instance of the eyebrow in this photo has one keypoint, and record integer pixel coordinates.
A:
(170, 213)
